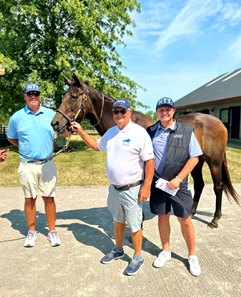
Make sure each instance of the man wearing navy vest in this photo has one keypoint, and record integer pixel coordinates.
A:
(176, 152)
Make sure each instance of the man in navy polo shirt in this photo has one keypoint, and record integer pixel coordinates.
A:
(29, 128)
(177, 152)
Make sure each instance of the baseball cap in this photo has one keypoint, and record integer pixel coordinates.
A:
(164, 101)
(122, 102)
(31, 87)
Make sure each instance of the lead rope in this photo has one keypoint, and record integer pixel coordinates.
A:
(101, 112)
(64, 148)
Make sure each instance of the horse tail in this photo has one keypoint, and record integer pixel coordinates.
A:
(227, 184)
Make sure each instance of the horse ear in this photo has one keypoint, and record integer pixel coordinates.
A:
(67, 81)
(78, 80)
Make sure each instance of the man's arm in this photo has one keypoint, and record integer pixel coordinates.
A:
(149, 173)
(89, 140)
(188, 167)
(13, 141)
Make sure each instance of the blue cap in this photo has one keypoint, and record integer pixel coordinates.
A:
(164, 101)
(122, 102)
(31, 87)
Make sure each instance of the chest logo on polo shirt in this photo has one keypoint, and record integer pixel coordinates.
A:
(126, 142)
(178, 136)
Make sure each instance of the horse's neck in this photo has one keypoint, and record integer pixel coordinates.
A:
(101, 117)
(142, 120)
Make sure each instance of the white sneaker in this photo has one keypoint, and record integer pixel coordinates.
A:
(53, 238)
(30, 239)
(194, 266)
(162, 258)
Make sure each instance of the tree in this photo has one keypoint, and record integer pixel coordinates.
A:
(43, 40)
(151, 114)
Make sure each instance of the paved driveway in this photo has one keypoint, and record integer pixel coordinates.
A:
(86, 231)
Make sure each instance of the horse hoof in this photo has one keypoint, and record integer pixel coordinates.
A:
(213, 225)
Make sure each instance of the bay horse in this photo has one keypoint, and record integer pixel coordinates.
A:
(83, 101)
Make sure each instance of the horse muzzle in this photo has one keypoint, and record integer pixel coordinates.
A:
(61, 122)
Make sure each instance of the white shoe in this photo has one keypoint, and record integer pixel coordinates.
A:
(53, 238)
(194, 266)
(162, 258)
(30, 239)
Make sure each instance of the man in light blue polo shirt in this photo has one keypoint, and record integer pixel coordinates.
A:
(29, 128)
(176, 152)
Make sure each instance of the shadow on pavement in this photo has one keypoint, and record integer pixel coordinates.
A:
(95, 227)
(92, 227)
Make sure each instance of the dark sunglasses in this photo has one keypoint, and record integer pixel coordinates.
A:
(31, 94)
(122, 111)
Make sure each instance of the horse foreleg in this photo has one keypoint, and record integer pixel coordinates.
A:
(218, 190)
(198, 184)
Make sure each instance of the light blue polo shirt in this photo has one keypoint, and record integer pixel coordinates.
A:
(159, 146)
(34, 132)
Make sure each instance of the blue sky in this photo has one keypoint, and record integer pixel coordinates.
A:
(179, 45)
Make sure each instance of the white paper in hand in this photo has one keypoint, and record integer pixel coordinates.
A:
(162, 184)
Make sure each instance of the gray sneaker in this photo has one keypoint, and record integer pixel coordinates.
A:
(30, 239)
(134, 266)
(113, 255)
(53, 238)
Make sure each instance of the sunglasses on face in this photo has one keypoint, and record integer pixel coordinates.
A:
(122, 111)
(31, 94)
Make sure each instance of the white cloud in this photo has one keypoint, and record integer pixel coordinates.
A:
(234, 49)
(162, 64)
(165, 23)
(189, 21)
(231, 12)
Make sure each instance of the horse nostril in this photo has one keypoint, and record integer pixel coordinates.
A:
(55, 124)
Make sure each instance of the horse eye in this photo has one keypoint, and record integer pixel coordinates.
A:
(74, 97)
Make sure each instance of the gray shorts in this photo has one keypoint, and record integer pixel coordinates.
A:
(38, 179)
(125, 207)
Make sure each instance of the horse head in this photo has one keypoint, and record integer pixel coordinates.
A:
(77, 104)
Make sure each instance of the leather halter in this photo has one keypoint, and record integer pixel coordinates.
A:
(69, 119)
(81, 108)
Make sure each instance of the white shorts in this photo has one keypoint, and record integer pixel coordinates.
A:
(125, 207)
(38, 179)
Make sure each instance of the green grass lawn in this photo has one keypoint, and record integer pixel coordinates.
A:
(81, 166)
